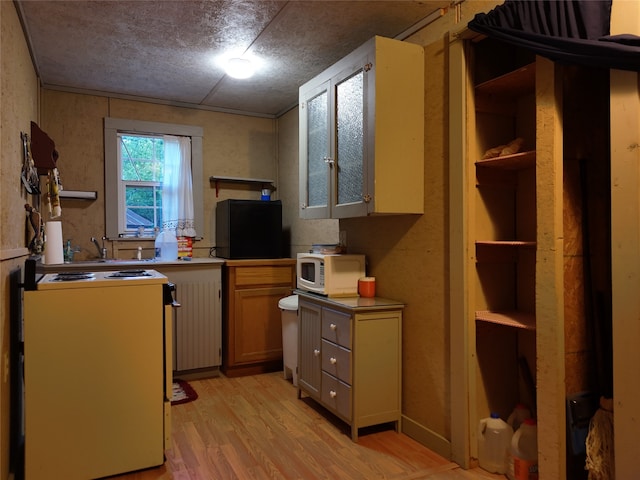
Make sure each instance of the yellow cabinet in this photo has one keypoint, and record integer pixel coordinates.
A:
(252, 323)
(362, 134)
(349, 357)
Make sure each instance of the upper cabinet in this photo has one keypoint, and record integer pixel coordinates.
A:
(362, 134)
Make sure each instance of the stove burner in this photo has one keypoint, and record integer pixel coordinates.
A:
(72, 276)
(130, 273)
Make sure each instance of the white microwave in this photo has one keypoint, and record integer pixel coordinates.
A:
(334, 275)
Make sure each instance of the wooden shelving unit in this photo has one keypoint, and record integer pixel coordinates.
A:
(503, 231)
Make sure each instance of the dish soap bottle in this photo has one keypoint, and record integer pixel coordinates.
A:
(166, 246)
(68, 252)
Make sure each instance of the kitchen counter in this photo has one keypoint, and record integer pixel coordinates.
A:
(355, 303)
(123, 264)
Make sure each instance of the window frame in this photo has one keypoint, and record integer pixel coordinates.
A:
(114, 186)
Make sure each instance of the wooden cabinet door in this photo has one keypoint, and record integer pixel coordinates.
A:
(309, 358)
(257, 325)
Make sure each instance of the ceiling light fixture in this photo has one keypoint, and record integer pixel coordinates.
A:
(239, 68)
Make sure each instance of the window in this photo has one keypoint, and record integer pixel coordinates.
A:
(134, 163)
(141, 166)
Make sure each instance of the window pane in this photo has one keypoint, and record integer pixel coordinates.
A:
(139, 196)
(317, 151)
(142, 158)
(143, 205)
(140, 217)
(350, 139)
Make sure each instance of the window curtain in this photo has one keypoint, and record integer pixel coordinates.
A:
(565, 31)
(177, 192)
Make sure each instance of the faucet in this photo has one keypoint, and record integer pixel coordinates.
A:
(102, 250)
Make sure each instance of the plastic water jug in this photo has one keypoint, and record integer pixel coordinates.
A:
(523, 456)
(520, 414)
(494, 438)
(166, 246)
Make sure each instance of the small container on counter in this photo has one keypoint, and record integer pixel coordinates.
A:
(367, 287)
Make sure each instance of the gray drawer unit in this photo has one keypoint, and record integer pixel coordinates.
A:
(336, 327)
(336, 396)
(349, 357)
(336, 361)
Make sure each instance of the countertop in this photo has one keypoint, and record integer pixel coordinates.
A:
(259, 262)
(353, 303)
(122, 264)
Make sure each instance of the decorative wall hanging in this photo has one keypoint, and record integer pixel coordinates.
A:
(43, 150)
(29, 175)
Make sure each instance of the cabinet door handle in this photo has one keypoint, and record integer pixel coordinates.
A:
(333, 393)
(316, 352)
(329, 161)
(333, 360)
(333, 327)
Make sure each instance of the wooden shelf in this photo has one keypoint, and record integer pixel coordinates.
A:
(500, 251)
(512, 84)
(262, 182)
(506, 243)
(517, 161)
(78, 194)
(516, 319)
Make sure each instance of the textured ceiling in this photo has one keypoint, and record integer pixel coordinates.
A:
(166, 50)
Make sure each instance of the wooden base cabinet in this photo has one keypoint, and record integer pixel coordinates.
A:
(349, 358)
(252, 321)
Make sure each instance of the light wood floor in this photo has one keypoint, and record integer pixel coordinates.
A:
(255, 427)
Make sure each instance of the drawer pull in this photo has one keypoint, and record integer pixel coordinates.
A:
(316, 352)
(333, 326)
(333, 393)
(333, 360)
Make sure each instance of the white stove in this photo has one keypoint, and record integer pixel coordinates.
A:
(99, 279)
(97, 357)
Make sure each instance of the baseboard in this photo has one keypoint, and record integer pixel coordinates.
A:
(426, 437)
(197, 374)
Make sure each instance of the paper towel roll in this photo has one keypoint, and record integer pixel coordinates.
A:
(53, 247)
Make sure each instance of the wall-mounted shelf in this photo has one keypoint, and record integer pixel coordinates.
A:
(523, 320)
(81, 195)
(260, 182)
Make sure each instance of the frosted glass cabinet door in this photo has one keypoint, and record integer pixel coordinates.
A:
(316, 171)
(362, 134)
(350, 128)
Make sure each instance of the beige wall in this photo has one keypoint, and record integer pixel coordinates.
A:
(233, 145)
(18, 106)
(408, 254)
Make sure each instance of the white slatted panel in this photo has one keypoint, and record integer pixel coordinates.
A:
(197, 341)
